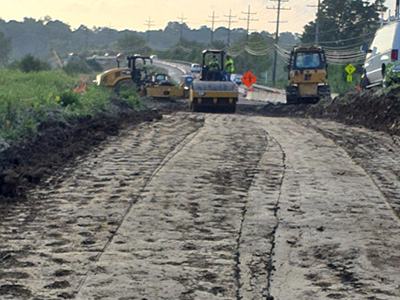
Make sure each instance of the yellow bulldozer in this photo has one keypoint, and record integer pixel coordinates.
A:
(307, 74)
(213, 92)
(136, 75)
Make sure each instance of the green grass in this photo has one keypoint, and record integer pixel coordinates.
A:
(28, 99)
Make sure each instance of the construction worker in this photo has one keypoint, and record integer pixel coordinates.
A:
(213, 69)
(229, 68)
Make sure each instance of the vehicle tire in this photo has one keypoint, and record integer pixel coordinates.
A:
(364, 82)
(120, 85)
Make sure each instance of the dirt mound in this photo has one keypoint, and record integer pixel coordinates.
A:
(371, 109)
(25, 164)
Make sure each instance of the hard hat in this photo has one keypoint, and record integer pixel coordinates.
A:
(214, 56)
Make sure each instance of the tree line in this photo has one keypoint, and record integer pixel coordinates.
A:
(342, 23)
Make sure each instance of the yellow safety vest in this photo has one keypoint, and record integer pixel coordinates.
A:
(214, 66)
(229, 66)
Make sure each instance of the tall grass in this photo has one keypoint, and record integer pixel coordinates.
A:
(28, 99)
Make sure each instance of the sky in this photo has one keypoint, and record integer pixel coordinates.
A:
(133, 14)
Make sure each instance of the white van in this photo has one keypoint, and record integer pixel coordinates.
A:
(384, 50)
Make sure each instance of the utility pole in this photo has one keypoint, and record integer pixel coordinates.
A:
(317, 22)
(278, 21)
(149, 23)
(213, 17)
(248, 19)
(182, 19)
(86, 39)
(229, 21)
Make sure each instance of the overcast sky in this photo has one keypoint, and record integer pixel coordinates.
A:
(133, 14)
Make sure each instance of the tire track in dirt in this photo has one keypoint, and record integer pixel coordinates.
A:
(181, 240)
(49, 242)
(170, 155)
(377, 153)
(338, 238)
(256, 243)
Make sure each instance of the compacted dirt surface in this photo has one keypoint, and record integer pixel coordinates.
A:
(212, 206)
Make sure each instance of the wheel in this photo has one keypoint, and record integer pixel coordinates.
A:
(364, 83)
(122, 85)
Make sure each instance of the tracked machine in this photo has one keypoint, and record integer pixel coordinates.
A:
(213, 92)
(307, 74)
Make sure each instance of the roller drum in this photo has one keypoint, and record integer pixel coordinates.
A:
(213, 86)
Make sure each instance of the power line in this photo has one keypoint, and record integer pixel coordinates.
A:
(213, 17)
(149, 23)
(279, 8)
(248, 19)
(317, 22)
(229, 21)
(182, 19)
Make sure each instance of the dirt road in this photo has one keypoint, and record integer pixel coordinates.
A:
(202, 206)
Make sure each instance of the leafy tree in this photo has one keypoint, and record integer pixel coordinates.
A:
(5, 48)
(130, 41)
(218, 44)
(344, 22)
(30, 64)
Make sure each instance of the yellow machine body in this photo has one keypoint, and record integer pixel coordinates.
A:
(307, 79)
(111, 77)
(168, 92)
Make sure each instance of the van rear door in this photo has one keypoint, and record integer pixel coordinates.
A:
(381, 52)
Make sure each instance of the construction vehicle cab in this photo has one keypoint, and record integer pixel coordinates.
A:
(212, 75)
(212, 92)
(307, 74)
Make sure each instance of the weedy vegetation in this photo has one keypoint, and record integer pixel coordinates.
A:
(27, 99)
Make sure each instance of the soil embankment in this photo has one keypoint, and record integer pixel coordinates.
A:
(57, 144)
(371, 109)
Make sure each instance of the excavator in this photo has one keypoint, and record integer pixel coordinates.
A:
(307, 74)
(213, 92)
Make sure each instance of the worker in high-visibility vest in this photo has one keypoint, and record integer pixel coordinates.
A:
(229, 68)
(213, 69)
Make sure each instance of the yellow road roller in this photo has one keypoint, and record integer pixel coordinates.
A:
(134, 75)
(213, 93)
(157, 85)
